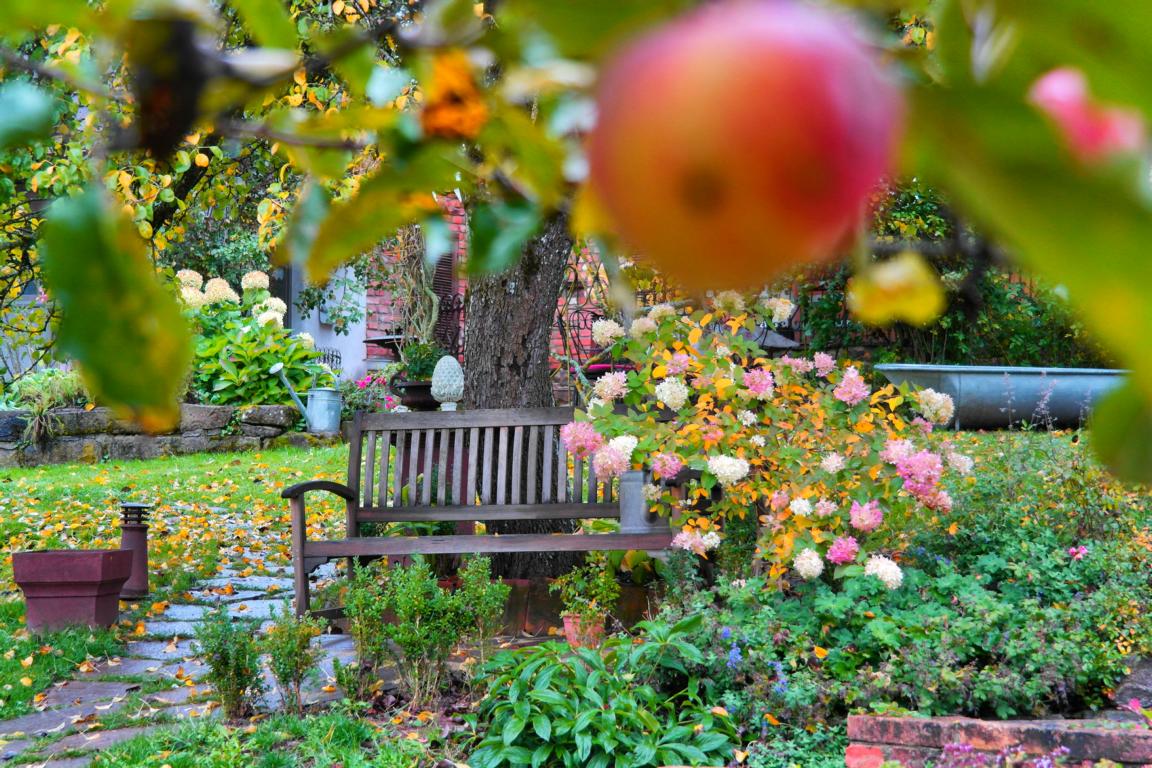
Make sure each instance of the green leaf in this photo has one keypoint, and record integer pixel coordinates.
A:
(540, 754)
(268, 22)
(27, 113)
(124, 329)
(498, 233)
(542, 726)
(512, 729)
(1120, 430)
(592, 28)
(538, 159)
(383, 205)
(34, 14)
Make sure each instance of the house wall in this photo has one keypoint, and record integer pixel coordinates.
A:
(350, 345)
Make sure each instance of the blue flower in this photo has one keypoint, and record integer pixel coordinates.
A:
(734, 656)
(726, 633)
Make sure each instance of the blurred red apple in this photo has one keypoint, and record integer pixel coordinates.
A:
(742, 139)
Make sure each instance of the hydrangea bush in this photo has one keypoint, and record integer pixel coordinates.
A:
(240, 336)
(834, 469)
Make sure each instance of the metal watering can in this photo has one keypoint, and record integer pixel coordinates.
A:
(324, 404)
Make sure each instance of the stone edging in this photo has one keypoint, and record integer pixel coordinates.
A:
(89, 436)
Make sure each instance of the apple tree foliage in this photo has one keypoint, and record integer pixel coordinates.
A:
(344, 116)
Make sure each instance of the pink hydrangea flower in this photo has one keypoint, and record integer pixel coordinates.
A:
(679, 363)
(580, 439)
(894, 450)
(843, 550)
(939, 501)
(852, 388)
(923, 425)
(866, 517)
(1091, 130)
(713, 433)
(761, 383)
(610, 461)
(665, 466)
(1077, 553)
(920, 472)
(798, 364)
(778, 501)
(825, 508)
(611, 386)
(824, 363)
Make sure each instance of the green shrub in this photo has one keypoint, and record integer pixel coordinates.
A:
(419, 361)
(550, 705)
(790, 747)
(41, 391)
(402, 613)
(228, 646)
(291, 655)
(485, 600)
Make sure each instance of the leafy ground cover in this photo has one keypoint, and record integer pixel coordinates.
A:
(280, 742)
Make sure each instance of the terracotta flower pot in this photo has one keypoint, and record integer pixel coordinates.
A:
(67, 587)
(583, 632)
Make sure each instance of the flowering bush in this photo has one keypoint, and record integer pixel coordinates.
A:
(833, 469)
(240, 337)
(369, 393)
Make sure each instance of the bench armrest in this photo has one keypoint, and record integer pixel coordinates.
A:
(298, 490)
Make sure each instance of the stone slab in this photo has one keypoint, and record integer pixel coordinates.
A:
(250, 582)
(239, 596)
(282, 416)
(10, 748)
(1138, 684)
(154, 649)
(182, 695)
(56, 720)
(75, 692)
(170, 628)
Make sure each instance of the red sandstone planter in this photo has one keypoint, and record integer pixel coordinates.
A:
(68, 587)
(915, 741)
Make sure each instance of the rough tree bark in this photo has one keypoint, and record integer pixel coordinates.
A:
(507, 337)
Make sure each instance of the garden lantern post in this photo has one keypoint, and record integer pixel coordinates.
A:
(134, 538)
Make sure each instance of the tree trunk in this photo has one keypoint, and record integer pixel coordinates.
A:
(507, 339)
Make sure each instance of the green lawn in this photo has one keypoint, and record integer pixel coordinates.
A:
(205, 504)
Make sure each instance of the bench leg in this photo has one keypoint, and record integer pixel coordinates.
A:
(299, 567)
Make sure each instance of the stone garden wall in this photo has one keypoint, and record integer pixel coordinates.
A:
(96, 435)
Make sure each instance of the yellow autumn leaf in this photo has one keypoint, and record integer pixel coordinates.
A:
(719, 711)
(771, 720)
(659, 371)
(821, 653)
(694, 336)
(26, 682)
(300, 76)
(27, 662)
(902, 288)
(953, 529)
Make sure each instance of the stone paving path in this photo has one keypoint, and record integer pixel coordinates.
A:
(158, 680)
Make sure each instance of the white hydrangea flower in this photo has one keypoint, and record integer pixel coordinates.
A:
(190, 278)
(661, 311)
(747, 418)
(271, 304)
(781, 309)
(961, 463)
(937, 407)
(832, 463)
(653, 492)
(626, 444)
(710, 540)
(723, 351)
(728, 302)
(757, 440)
(728, 469)
(217, 290)
(306, 339)
(641, 327)
(800, 507)
(193, 297)
(672, 392)
(884, 569)
(254, 280)
(605, 332)
(270, 317)
(808, 564)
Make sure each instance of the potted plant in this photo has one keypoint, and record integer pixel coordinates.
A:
(589, 593)
(413, 379)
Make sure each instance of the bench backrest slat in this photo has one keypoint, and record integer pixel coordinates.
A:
(495, 457)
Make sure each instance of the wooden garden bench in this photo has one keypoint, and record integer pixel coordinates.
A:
(463, 467)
